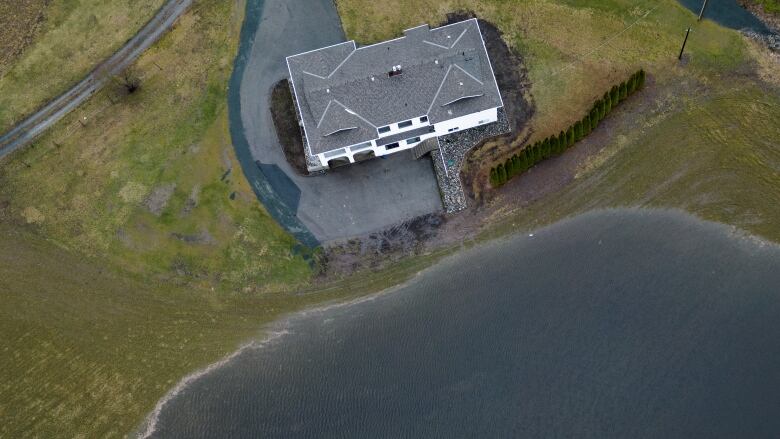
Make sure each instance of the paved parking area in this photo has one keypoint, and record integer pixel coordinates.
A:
(348, 201)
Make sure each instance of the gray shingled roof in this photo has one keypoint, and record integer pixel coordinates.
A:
(344, 92)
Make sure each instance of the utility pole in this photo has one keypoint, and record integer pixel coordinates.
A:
(701, 13)
(684, 41)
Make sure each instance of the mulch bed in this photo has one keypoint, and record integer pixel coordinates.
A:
(286, 125)
(514, 84)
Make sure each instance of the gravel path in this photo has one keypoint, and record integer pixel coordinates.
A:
(23, 133)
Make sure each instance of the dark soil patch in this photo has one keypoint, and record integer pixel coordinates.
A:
(509, 69)
(375, 250)
(514, 84)
(286, 125)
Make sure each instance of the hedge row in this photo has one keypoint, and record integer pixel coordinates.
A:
(552, 146)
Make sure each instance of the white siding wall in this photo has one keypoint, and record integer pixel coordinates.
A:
(395, 130)
(466, 122)
(442, 128)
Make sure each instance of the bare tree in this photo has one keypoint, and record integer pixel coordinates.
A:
(130, 80)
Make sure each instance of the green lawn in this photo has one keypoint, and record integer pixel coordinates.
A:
(87, 349)
(151, 182)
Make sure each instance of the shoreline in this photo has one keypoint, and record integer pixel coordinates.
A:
(271, 332)
(277, 329)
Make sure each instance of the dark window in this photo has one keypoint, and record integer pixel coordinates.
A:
(412, 140)
(452, 129)
(383, 129)
(404, 124)
(424, 119)
(392, 146)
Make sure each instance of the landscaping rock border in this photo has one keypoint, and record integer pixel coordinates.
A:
(453, 149)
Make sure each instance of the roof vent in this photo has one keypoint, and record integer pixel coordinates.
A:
(395, 72)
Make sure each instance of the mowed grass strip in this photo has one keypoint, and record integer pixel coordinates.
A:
(75, 36)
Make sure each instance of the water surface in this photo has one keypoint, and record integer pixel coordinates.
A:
(611, 325)
(728, 13)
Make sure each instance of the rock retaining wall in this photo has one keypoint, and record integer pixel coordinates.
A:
(453, 149)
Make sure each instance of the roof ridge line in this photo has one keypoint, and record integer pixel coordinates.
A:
(437, 45)
(463, 97)
(353, 112)
(324, 112)
(470, 75)
(459, 37)
(439, 90)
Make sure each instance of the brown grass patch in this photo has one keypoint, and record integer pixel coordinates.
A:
(20, 21)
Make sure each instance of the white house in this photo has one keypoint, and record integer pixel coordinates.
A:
(356, 103)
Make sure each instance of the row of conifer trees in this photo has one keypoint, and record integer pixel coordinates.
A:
(552, 146)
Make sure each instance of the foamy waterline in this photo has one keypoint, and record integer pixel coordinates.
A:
(150, 425)
(282, 326)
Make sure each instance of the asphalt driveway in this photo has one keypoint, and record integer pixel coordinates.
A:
(349, 201)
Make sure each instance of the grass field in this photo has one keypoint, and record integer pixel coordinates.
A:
(74, 37)
(88, 350)
(717, 157)
(706, 137)
(151, 181)
(132, 250)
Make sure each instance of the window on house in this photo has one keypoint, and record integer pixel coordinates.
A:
(424, 119)
(392, 146)
(383, 129)
(334, 153)
(404, 124)
(453, 129)
(360, 147)
(412, 140)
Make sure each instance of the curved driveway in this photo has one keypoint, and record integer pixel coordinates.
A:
(347, 202)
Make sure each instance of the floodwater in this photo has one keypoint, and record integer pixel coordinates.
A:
(727, 13)
(614, 324)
